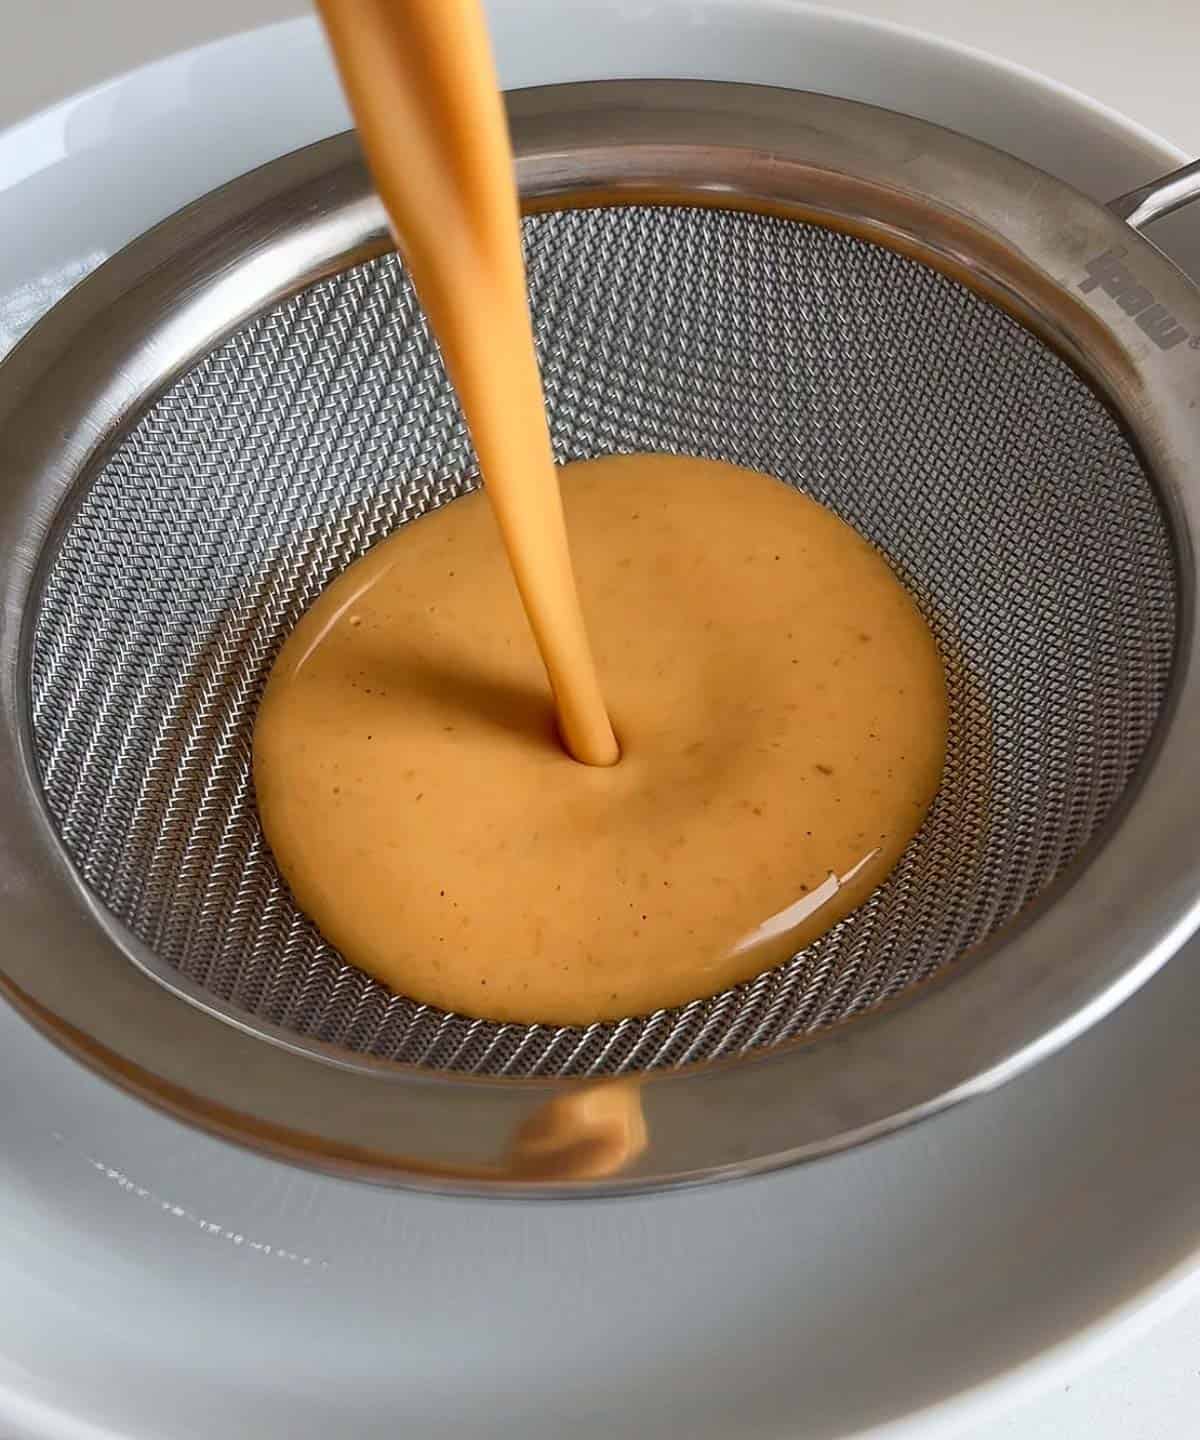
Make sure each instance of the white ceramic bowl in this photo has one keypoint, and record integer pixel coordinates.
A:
(155, 1283)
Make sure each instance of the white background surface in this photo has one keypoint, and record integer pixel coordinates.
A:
(1142, 60)
(1140, 56)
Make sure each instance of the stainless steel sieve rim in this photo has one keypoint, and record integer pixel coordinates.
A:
(1021, 238)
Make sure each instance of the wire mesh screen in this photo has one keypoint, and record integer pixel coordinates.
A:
(1003, 491)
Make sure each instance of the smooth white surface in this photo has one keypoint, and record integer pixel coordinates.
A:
(156, 1283)
(1139, 58)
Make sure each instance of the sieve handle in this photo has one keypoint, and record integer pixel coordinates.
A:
(1162, 196)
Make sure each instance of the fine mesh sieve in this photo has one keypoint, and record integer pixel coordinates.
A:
(925, 416)
(966, 427)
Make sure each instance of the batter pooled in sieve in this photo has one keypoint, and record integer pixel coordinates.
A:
(779, 702)
(781, 711)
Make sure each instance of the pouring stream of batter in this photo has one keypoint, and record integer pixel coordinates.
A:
(422, 85)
